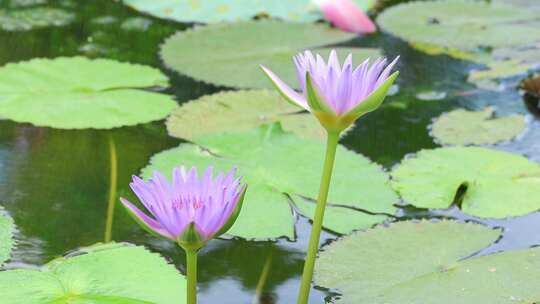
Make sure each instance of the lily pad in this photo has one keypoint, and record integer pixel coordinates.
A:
(275, 163)
(238, 111)
(383, 265)
(484, 182)
(462, 127)
(499, 69)
(232, 10)
(431, 95)
(78, 93)
(461, 24)
(32, 18)
(6, 236)
(230, 54)
(110, 273)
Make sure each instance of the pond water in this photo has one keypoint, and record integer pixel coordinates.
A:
(55, 183)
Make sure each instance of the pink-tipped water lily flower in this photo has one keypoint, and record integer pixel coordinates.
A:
(347, 16)
(337, 95)
(190, 210)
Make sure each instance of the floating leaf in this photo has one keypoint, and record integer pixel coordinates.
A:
(431, 95)
(461, 24)
(500, 69)
(230, 54)
(6, 236)
(110, 273)
(495, 184)
(136, 24)
(462, 127)
(342, 219)
(427, 263)
(275, 163)
(238, 111)
(77, 93)
(32, 18)
(25, 3)
(235, 10)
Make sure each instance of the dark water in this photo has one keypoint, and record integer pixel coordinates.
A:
(55, 183)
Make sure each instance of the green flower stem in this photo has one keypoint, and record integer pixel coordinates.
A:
(112, 189)
(191, 257)
(331, 147)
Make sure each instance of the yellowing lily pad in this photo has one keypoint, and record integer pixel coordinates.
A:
(429, 263)
(230, 54)
(462, 127)
(78, 93)
(278, 167)
(240, 111)
(483, 182)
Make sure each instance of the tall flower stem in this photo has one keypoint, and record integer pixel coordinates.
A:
(112, 189)
(191, 257)
(331, 147)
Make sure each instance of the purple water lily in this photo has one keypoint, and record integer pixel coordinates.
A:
(337, 95)
(189, 211)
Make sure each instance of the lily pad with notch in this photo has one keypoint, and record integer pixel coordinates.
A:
(463, 127)
(482, 182)
(79, 93)
(461, 24)
(230, 54)
(240, 111)
(97, 274)
(383, 265)
(266, 157)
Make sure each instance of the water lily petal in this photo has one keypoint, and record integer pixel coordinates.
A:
(347, 16)
(147, 223)
(289, 94)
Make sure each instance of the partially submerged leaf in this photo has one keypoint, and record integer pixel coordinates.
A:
(462, 127)
(230, 54)
(496, 184)
(427, 262)
(275, 164)
(109, 273)
(78, 93)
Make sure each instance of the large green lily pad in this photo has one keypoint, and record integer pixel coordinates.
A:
(6, 236)
(462, 127)
(229, 54)
(78, 93)
(461, 24)
(32, 18)
(497, 184)
(232, 10)
(427, 262)
(110, 273)
(275, 163)
(238, 111)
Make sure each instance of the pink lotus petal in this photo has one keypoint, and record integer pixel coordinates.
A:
(347, 16)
